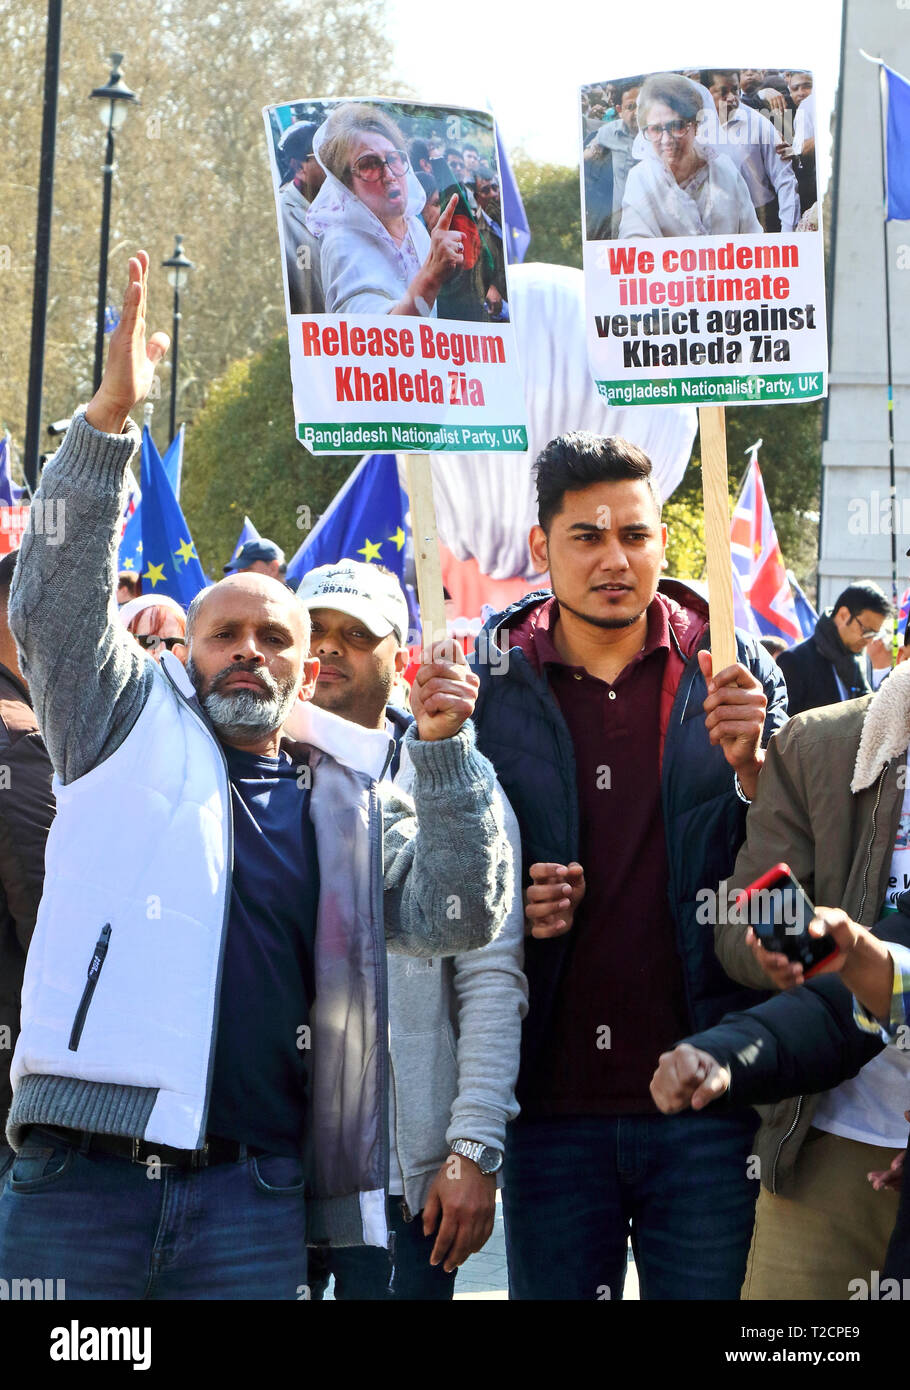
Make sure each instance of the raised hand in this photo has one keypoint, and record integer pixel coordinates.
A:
(444, 692)
(131, 361)
(773, 98)
(446, 246)
(735, 718)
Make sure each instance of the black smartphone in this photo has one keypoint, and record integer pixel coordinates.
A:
(779, 912)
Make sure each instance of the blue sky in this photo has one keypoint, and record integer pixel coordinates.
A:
(527, 60)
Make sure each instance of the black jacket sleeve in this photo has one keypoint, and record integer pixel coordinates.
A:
(26, 811)
(801, 1042)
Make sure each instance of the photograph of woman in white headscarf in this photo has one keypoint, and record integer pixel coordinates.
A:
(710, 152)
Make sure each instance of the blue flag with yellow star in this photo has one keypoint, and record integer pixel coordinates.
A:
(131, 541)
(173, 460)
(364, 521)
(170, 564)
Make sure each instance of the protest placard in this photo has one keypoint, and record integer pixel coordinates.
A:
(13, 525)
(704, 259)
(395, 277)
(703, 253)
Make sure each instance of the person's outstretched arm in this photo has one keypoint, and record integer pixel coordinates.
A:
(801, 1042)
(87, 677)
(877, 973)
(448, 869)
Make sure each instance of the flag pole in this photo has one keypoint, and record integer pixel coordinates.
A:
(892, 481)
(426, 549)
(752, 451)
(712, 428)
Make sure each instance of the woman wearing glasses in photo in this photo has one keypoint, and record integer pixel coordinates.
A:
(683, 184)
(157, 622)
(376, 254)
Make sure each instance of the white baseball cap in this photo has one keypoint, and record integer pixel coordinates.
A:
(362, 591)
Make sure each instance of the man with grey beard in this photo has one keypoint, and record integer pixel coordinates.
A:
(204, 1003)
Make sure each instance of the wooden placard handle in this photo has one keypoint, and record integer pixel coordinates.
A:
(426, 548)
(712, 428)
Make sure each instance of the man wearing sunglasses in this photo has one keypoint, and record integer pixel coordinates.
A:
(157, 622)
(830, 666)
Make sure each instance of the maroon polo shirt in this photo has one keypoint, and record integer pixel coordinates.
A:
(621, 1000)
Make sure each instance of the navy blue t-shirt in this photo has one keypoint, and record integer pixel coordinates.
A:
(259, 1086)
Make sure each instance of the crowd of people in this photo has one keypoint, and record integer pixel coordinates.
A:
(374, 223)
(709, 151)
(298, 971)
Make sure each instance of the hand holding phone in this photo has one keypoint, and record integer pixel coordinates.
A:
(779, 912)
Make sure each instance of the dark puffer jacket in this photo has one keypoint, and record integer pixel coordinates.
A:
(26, 811)
(800, 1043)
(520, 728)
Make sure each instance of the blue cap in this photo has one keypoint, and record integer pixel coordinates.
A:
(251, 551)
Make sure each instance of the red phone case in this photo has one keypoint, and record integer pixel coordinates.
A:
(782, 873)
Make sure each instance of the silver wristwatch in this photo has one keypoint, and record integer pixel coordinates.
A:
(488, 1160)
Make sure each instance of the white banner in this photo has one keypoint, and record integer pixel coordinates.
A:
(395, 273)
(703, 254)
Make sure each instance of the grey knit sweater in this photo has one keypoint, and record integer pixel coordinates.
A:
(89, 681)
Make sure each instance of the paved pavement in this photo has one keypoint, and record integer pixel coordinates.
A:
(484, 1274)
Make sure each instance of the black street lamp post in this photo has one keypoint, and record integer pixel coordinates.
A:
(116, 96)
(177, 267)
(43, 244)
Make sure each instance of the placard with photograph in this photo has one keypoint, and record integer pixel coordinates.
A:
(395, 272)
(703, 251)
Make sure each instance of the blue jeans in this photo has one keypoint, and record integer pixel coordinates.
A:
(366, 1272)
(575, 1189)
(110, 1230)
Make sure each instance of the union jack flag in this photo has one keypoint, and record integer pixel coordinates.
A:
(758, 560)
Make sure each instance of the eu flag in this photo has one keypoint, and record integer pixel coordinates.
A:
(248, 533)
(513, 210)
(173, 460)
(10, 494)
(898, 160)
(364, 521)
(170, 564)
(131, 543)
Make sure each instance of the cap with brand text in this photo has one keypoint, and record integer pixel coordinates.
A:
(362, 591)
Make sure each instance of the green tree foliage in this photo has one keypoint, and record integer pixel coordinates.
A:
(552, 201)
(190, 158)
(242, 458)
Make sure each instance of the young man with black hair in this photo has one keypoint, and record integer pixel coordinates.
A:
(827, 668)
(629, 765)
